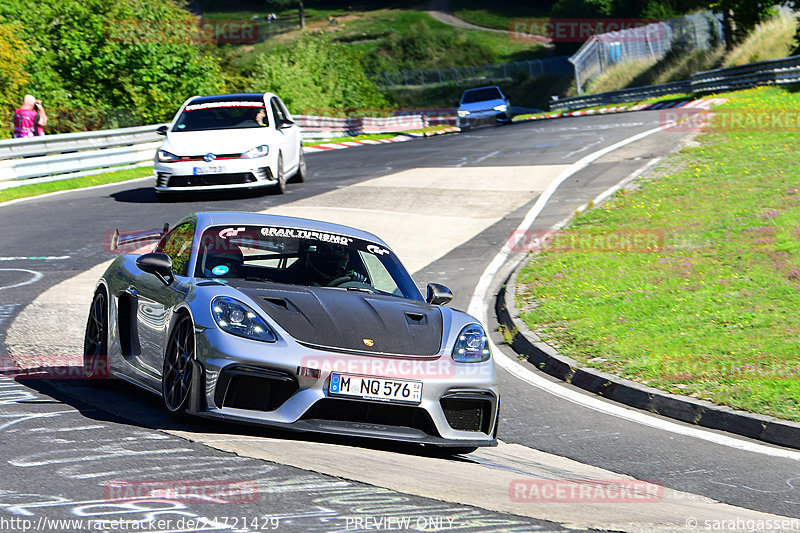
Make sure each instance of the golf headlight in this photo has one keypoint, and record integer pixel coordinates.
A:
(238, 319)
(462, 113)
(258, 151)
(166, 157)
(501, 107)
(472, 345)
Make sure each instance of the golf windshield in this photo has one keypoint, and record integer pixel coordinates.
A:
(222, 116)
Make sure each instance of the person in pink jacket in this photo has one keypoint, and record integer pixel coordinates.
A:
(25, 118)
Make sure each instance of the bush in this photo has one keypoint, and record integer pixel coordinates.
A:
(312, 72)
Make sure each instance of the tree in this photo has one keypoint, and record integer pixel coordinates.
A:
(741, 16)
(141, 55)
(13, 68)
(302, 13)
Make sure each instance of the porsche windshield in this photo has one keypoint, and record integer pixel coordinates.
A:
(222, 116)
(302, 257)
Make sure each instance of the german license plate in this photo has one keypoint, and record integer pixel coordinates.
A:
(208, 170)
(369, 388)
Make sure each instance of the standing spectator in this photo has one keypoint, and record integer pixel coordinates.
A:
(29, 118)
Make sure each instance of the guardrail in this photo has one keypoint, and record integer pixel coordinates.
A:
(624, 95)
(77, 154)
(70, 155)
(771, 72)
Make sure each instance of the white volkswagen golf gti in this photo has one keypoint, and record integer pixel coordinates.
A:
(229, 141)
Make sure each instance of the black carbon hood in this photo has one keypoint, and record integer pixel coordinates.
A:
(349, 320)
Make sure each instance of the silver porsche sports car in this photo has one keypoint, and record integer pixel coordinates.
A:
(293, 323)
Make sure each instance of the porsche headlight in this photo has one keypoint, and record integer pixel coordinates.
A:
(238, 319)
(167, 157)
(463, 112)
(501, 107)
(472, 345)
(258, 151)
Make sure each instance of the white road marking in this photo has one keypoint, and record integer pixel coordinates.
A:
(480, 302)
(35, 258)
(482, 158)
(35, 276)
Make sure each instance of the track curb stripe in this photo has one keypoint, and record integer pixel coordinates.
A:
(398, 138)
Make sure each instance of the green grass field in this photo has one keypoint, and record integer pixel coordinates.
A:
(500, 15)
(710, 308)
(36, 189)
(387, 39)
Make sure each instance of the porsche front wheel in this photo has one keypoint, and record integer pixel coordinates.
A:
(95, 341)
(176, 378)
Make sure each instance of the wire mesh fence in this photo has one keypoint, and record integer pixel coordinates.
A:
(650, 42)
(551, 66)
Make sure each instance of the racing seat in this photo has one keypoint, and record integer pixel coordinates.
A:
(222, 259)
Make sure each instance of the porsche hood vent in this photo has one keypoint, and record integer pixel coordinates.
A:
(350, 320)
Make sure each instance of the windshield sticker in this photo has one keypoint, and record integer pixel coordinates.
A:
(220, 270)
(377, 250)
(230, 232)
(215, 105)
(291, 233)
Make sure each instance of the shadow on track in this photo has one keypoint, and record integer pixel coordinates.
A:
(147, 195)
(122, 403)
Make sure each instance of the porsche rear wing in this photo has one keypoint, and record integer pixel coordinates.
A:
(136, 237)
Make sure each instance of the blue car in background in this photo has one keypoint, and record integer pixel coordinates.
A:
(484, 105)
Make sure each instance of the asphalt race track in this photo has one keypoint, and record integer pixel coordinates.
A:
(446, 205)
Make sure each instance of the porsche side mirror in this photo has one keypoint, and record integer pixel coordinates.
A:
(438, 294)
(158, 264)
(285, 123)
(161, 130)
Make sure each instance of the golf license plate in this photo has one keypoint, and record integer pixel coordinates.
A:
(369, 388)
(212, 169)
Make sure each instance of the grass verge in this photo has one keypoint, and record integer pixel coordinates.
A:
(690, 282)
(36, 189)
